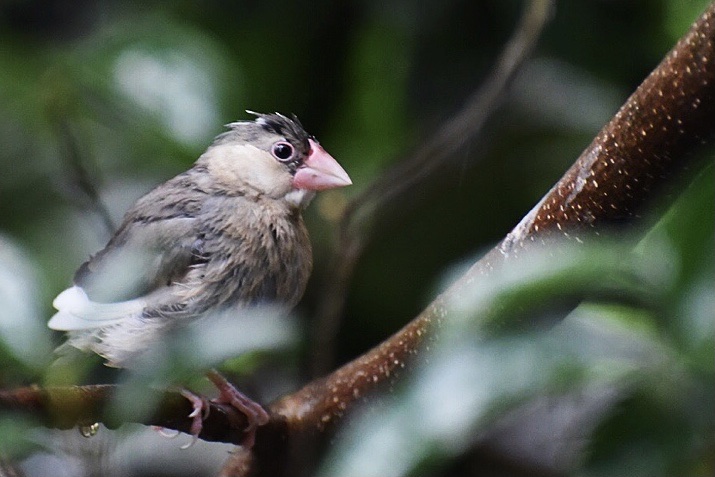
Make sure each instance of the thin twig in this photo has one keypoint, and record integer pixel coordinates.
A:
(411, 172)
(79, 177)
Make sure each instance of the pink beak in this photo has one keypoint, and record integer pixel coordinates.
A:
(320, 171)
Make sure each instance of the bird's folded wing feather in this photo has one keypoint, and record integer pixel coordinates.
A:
(122, 279)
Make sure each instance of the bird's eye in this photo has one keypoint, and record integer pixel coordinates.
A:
(283, 151)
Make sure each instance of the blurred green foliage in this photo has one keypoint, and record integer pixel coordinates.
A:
(135, 92)
(630, 371)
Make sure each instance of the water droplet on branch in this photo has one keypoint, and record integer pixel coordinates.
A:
(89, 430)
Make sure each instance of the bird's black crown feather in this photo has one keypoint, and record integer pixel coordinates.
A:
(277, 123)
(281, 124)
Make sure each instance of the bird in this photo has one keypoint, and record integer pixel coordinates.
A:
(224, 236)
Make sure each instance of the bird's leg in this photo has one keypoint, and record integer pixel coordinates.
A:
(228, 394)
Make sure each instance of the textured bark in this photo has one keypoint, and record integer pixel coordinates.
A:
(649, 141)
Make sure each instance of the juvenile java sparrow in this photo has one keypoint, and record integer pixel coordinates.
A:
(225, 235)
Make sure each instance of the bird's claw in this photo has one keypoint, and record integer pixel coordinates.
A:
(190, 443)
(201, 409)
(166, 433)
(254, 412)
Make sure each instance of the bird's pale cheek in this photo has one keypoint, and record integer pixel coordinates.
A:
(246, 168)
(320, 171)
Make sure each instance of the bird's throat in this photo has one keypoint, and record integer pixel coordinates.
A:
(300, 198)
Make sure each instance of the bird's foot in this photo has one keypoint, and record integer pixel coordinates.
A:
(228, 394)
(200, 412)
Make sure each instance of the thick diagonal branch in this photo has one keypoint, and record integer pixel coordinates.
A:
(651, 140)
(643, 150)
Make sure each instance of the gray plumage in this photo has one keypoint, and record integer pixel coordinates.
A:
(226, 234)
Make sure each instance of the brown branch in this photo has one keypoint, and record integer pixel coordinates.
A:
(67, 407)
(650, 141)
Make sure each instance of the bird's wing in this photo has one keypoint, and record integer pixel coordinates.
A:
(151, 250)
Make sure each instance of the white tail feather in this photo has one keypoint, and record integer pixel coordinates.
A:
(75, 311)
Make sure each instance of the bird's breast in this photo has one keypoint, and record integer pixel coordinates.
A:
(257, 257)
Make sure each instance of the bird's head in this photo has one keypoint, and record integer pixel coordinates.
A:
(272, 156)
